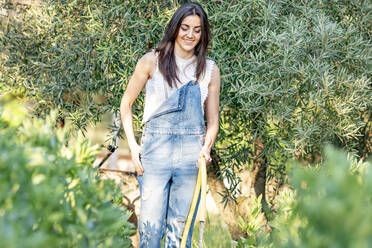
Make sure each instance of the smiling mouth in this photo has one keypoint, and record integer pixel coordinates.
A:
(188, 41)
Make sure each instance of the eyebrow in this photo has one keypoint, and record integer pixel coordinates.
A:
(189, 26)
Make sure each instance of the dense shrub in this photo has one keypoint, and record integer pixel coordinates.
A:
(50, 196)
(327, 206)
(295, 76)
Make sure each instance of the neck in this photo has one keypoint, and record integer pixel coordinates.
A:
(182, 53)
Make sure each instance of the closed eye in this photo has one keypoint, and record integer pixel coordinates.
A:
(196, 31)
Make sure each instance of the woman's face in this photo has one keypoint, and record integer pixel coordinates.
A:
(189, 33)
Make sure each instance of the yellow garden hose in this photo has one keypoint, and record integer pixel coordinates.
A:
(200, 187)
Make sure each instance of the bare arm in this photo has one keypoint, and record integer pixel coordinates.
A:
(212, 113)
(138, 80)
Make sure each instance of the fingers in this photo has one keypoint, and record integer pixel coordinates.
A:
(206, 155)
(135, 153)
(139, 170)
(208, 158)
(138, 166)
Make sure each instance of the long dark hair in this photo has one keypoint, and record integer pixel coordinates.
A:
(167, 64)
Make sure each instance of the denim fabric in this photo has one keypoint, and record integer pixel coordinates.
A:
(170, 147)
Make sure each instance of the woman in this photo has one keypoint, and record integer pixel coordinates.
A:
(180, 84)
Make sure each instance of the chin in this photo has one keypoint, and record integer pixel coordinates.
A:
(188, 47)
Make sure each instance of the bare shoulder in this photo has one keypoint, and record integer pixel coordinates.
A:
(215, 72)
(149, 57)
(148, 63)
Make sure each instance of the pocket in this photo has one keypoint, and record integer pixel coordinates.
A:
(141, 142)
(201, 140)
(144, 140)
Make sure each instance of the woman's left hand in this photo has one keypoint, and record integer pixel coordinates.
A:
(205, 152)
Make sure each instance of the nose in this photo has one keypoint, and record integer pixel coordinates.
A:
(189, 33)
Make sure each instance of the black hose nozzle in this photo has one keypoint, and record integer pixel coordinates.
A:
(111, 150)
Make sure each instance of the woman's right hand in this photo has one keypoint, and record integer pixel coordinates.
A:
(135, 153)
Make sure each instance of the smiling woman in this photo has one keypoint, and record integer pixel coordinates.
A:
(189, 34)
(180, 83)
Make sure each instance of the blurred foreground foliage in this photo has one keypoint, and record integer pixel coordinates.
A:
(50, 195)
(329, 205)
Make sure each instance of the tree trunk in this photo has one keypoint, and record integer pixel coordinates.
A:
(258, 172)
(217, 187)
(252, 182)
(365, 140)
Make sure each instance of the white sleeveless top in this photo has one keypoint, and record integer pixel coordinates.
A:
(157, 89)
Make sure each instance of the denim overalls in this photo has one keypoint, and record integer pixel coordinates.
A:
(171, 142)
